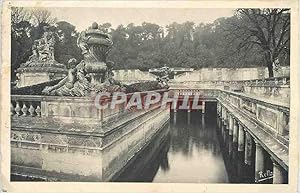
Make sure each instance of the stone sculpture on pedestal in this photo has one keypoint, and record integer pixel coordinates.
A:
(93, 74)
(41, 65)
(164, 76)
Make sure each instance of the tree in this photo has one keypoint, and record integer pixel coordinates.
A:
(251, 37)
(27, 25)
(67, 48)
(19, 14)
(21, 40)
(42, 16)
(266, 29)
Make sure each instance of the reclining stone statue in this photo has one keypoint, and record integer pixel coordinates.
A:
(74, 84)
(93, 74)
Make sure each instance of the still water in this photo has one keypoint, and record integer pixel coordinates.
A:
(191, 152)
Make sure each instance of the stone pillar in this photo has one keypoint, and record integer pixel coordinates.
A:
(174, 116)
(219, 122)
(248, 149)
(282, 123)
(226, 122)
(222, 112)
(224, 131)
(221, 108)
(203, 121)
(230, 145)
(241, 138)
(189, 116)
(203, 106)
(231, 123)
(259, 161)
(278, 173)
(221, 126)
(235, 131)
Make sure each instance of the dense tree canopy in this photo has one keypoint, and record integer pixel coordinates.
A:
(251, 37)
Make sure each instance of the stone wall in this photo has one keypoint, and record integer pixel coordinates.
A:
(209, 74)
(133, 75)
(66, 146)
(33, 78)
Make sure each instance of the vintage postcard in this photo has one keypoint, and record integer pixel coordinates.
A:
(153, 96)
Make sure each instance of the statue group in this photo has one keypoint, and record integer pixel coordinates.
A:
(43, 50)
(94, 73)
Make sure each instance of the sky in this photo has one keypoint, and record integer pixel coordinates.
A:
(83, 17)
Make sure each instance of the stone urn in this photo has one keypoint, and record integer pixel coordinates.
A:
(95, 45)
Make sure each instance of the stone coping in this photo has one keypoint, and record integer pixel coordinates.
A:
(42, 69)
(85, 126)
(262, 100)
(72, 98)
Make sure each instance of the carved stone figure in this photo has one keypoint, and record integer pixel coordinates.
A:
(76, 83)
(93, 74)
(164, 76)
(43, 50)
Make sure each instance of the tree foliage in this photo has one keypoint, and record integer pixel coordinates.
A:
(266, 30)
(251, 37)
(27, 25)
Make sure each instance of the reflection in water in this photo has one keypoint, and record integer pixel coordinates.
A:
(190, 153)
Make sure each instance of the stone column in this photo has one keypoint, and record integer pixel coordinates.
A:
(248, 149)
(219, 122)
(222, 115)
(224, 131)
(218, 109)
(221, 127)
(229, 145)
(241, 139)
(235, 131)
(174, 116)
(226, 121)
(259, 161)
(278, 173)
(231, 123)
(203, 121)
(189, 115)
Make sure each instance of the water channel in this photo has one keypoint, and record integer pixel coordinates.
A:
(193, 152)
(189, 149)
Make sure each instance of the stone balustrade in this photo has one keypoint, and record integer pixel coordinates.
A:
(62, 132)
(276, 89)
(271, 115)
(25, 106)
(67, 107)
(274, 117)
